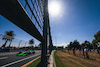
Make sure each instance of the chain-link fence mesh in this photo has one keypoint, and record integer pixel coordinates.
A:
(34, 9)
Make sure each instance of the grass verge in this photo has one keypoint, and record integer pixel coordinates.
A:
(35, 63)
(58, 61)
(74, 61)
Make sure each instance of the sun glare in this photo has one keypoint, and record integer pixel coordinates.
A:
(54, 8)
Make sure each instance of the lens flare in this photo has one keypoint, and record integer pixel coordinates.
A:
(54, 8)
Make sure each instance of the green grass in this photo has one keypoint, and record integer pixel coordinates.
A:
(35, 63)
(58, 61)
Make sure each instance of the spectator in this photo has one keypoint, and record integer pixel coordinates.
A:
(98, 51)
(74, 51)
(68, 50)
(86, 52)
(83, 52)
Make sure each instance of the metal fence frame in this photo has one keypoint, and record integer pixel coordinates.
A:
(15, 12)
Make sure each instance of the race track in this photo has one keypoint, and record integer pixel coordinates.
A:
(9, 59)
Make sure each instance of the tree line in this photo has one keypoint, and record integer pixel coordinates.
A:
(94, 45)
(11, 34)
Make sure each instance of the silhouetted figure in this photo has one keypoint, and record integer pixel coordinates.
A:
(98, 51)
(79, 49)
(68, 50)
(83, 52)
(74, 51)
(86, 52)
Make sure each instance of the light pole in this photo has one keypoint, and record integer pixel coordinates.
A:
(25, 45)
(19, 43)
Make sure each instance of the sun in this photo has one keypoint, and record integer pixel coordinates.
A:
(54, 8)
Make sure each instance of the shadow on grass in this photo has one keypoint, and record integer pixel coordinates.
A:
(91, 59)
(35, 63)
(39, 65)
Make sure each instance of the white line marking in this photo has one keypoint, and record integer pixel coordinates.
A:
(3, 58)
(19, 60)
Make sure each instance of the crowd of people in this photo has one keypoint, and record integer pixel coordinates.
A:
(84, 51)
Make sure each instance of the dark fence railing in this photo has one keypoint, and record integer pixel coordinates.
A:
(34, 9)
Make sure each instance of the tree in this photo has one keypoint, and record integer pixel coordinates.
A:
(87, 43)
(97, 36)
(70, 45)
(74, 45)
(31, 42)
(94, 43)
(96, 40)
(9, 36)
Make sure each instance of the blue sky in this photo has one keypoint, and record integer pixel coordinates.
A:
(78, 20)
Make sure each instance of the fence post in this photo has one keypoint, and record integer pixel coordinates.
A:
(45, 35)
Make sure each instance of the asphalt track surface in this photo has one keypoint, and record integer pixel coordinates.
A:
(11, 60)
